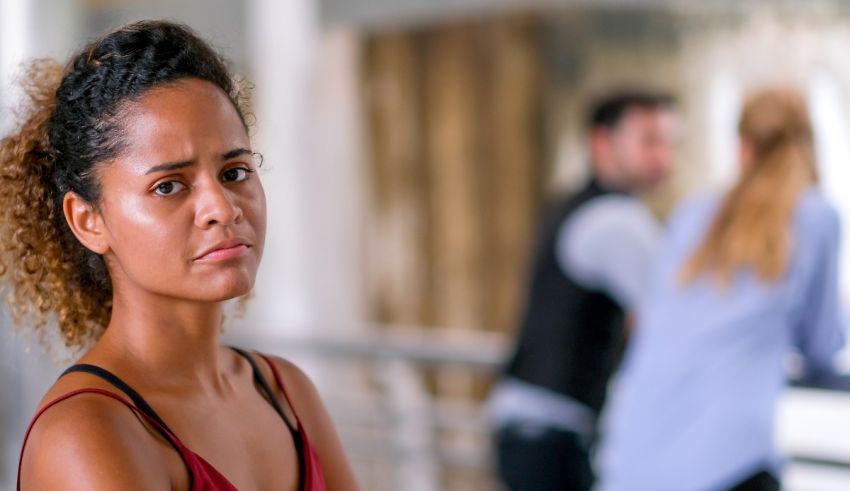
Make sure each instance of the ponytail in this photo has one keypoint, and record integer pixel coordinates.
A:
(752, 228)
(46, 267)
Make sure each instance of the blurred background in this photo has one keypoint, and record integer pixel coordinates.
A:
(409, 148)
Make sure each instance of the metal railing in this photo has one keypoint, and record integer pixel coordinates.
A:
(376, 384)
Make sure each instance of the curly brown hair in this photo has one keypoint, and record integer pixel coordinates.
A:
(71, 124)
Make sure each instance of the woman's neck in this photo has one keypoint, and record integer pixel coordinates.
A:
(169, 339)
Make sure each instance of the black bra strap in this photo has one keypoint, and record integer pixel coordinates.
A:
(119, 384)
(143, 406)
(138, 400)
(265, 388)
(296, 436)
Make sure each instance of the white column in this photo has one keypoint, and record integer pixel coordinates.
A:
(15, 46)
(28, 29)
(282, 45)
(306, 102)
(337, 177)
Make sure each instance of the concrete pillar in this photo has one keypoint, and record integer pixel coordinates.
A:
(306, 102)
(15, 46)
(28, 29)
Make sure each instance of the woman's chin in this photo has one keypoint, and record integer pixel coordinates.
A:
(224, 289)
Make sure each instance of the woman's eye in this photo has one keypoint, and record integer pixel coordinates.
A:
(168, 188)
(235, 174)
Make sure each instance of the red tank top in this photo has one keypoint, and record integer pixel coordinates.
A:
(203, 476)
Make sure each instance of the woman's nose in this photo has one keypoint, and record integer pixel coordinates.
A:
(216, 206)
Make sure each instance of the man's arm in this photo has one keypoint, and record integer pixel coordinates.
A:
(610, 244)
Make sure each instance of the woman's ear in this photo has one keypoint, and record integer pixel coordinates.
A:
(86, 223)
(745, 154)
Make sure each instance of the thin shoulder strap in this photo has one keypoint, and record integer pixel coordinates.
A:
(279, 379)
(265, 388)
(301, 443)
(296, 429)
(119, 384)
(92, 390)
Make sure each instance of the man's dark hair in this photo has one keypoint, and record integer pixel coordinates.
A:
(609, 110)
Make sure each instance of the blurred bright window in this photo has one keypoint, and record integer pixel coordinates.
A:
(829, 114)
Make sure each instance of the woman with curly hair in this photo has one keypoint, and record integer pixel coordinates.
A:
(130, 211)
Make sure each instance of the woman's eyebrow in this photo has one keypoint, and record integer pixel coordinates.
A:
(236, 152)
(169, 166)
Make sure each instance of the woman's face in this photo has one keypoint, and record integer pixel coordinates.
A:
(183, 208)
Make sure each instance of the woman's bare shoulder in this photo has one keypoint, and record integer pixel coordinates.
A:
(90, 441)
(305, 399)
(299, 387)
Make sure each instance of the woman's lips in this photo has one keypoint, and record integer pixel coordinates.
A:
(224, 253)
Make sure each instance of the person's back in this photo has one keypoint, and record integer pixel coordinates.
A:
(591, 263)
(694, 406)
(705, 366)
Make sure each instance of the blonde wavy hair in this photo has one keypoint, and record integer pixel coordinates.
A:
(751, 229)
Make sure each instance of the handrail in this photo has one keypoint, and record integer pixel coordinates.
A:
(482, 352)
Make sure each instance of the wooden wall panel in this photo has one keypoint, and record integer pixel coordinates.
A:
(511, 167)
(399, 276)
(455, 206)
(456, 171)
(454, 116)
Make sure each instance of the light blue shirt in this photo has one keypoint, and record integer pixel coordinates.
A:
(610, 244)
(693, 407)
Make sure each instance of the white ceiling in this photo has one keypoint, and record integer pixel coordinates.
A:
(377, 14)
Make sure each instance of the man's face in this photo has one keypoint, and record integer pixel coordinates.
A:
(640, 149)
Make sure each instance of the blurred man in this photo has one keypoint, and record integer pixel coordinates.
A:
(591, 265)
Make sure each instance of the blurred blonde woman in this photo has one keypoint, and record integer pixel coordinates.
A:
(742, 281)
